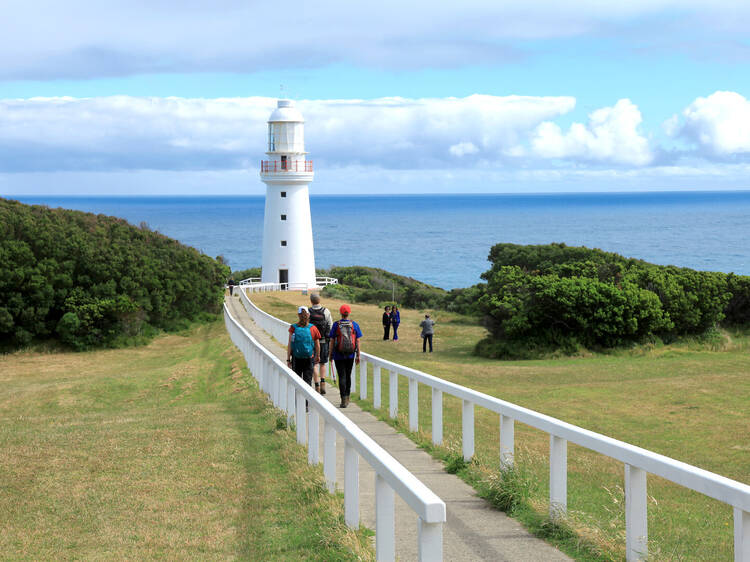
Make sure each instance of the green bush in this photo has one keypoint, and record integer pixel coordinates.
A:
(553, 297)
(88, 280)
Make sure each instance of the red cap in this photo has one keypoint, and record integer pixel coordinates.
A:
(345, 309)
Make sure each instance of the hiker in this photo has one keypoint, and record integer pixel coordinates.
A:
(320, 317)
(387, 323)
(428, 330)
(231, 286)
(303, 348)
(344, 351)
(395, 321)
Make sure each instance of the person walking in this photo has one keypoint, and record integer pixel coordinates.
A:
(428, 330)
(395, 321)
(303, 347)
(387, 323)
(321, 318)
(344, 350)
(231, 286)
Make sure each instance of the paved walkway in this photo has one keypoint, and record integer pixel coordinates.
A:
(473, 531)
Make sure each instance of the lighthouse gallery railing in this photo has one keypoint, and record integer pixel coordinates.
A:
(290, 393)
(638, 462)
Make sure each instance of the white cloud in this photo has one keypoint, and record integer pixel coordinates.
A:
(123, 132)
(463, 148)
(611, 136)
(718, 124)
(47, 39)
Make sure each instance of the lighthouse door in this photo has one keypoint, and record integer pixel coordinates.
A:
(283, 277)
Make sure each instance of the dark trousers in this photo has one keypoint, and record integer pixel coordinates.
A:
(344, 369)
(386, 331)
(395, 332)
(303, 366)
(424, 342)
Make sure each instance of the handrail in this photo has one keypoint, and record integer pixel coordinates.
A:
(638, 461)
(291, 393)
(276, 166)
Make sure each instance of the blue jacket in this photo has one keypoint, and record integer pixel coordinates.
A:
(396, 318)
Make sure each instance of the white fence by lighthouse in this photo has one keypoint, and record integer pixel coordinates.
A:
(638, 462)
(290, 394)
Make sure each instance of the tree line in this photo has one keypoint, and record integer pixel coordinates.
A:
(91, 280)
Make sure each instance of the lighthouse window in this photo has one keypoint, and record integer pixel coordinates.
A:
(283, 217)
(283, 193)
(283, 162)
(271, 138)
(283, 242)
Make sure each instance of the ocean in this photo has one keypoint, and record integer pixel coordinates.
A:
(444, 240)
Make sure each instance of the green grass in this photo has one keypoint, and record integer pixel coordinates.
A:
(164, 451)
(688, 400)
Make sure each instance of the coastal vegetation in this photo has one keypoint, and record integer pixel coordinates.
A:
(164, 451)
(658, 396)
(90, 281)
(542, 300)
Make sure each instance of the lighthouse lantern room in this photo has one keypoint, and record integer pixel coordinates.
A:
(288, 254)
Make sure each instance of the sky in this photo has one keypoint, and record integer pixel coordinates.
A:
(165, 97)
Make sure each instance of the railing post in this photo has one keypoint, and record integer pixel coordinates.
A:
(437, 416)
(351, 485)
(290, 404)
(636, 514)
(430, 541)
(467, 426)
(313, 445)
(741, 535)
(275, 384)
(385, 521)
(301, 418)
(353, 388)
(413, 404)
(376, 386)
(329, 455)
(507, 442)
(363, 380)
(393, 394)
(558, 477)
(283, 392)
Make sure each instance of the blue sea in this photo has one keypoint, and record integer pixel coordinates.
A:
(444, 239)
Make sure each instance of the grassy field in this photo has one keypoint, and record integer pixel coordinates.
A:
(689, 401)
(164, 451)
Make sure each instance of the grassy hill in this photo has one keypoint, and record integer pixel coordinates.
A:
(164, 451)
(687, 400)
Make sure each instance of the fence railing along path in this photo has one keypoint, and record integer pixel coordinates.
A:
(638, 462)
(473, 530)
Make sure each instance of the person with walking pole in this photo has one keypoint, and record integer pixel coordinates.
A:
(344, 351)
(320, 317)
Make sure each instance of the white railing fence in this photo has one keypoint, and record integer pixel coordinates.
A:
(255, 285)
(290, 394)
(638, 462)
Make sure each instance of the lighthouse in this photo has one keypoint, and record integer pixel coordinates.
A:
(288, 254)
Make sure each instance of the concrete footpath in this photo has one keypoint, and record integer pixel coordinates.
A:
(473, 531)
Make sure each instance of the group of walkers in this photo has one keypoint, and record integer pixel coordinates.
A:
(391, 317)
(316, 340)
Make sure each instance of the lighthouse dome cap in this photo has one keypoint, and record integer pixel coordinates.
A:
(286, 112)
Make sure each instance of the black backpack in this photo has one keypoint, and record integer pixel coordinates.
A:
(318, 319)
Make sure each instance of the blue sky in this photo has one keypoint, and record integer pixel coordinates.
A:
(535, 96)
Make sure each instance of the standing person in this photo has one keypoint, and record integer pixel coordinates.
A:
(320, 317)
(387, 323)
(428, 330)
(345, 335)
(395, 321)
(303, 348)
(231, 286)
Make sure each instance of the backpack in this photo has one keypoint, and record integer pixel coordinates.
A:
(302, 342)
(346, 337)
(318, 319)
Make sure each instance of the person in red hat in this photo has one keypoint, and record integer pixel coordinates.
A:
(344, 350)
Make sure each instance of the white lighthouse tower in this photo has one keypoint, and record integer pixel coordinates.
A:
(288, 255)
